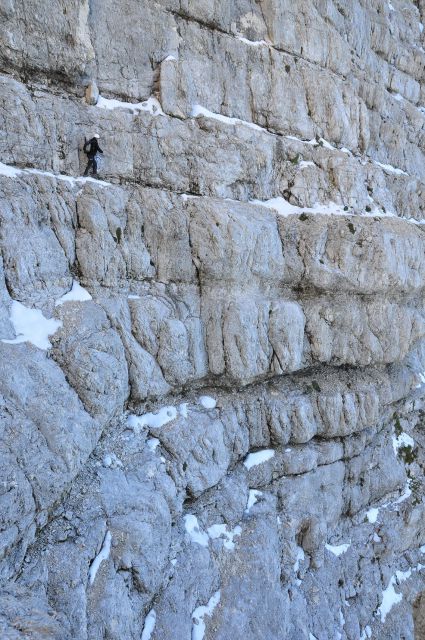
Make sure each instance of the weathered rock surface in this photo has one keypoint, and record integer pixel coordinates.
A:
(213, 358)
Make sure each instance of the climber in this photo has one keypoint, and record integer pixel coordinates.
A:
(92, 149)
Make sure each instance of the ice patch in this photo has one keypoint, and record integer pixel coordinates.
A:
(258, 457)
(101, 556)
(149, 626)
(152, 420)
(199, 111)
(221, 531)
(338, 550)
(77, 294)
(253, 496)
(198, 622)
(151, 105)
(194, 530)
(31, 326)
(207, 402)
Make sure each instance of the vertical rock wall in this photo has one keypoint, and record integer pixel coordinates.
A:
(213, 358)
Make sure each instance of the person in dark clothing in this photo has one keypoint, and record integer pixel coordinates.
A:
(91, 148)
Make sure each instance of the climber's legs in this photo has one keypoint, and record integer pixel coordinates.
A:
(91, 163)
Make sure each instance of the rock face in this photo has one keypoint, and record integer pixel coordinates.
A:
(213, 359)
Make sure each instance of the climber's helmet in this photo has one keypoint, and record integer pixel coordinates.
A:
(96, 135)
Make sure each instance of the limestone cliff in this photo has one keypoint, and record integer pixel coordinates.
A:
(212, 359)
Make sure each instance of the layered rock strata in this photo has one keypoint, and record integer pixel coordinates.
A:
(213, 358)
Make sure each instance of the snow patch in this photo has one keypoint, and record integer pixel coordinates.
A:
(222, 531)
(198, 622)
(195, 532)
(151, 105)
(77, 294)
(31, 326)
(306, 163)
(402, 440)
(152, 420)
(149, 626)
(207, 402)
(258, 457)
(101, 556)
(253, 496)
(338, 550)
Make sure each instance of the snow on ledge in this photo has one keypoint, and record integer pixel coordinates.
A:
(338, 550)
(285, 208)
(253, 43)
(199, 111)
(198, 623)
(101, 556)
(77, 294)
(149, 626)
(390, 169)
(10, 172)
(31, 326)
(152, 420)
(258, 457)
(151, 105)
